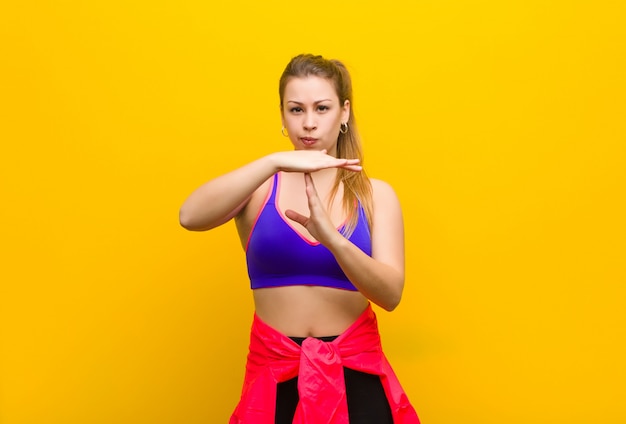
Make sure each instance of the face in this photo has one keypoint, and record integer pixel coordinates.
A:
(312, 114)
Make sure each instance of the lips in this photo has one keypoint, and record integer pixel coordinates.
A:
(308, 141)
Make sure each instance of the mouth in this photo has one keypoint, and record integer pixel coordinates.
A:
(308, 141)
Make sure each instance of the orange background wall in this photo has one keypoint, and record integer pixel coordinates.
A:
(500, 124)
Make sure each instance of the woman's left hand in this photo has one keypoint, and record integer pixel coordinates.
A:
(318, 224)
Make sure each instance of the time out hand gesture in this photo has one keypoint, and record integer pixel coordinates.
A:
(311, 161)
(318, 224)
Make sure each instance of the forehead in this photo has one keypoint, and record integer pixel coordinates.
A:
(309, 88)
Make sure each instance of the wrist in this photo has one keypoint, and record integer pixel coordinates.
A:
(280, 162)
(273, 162)
(336, 242)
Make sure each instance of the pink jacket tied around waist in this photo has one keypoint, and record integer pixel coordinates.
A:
(275, 358)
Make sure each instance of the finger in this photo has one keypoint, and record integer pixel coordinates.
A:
(310, 186)
(355, 168)
(308, 180)
(315, 204)
(347, 163)
(297, 217)
(342, 161)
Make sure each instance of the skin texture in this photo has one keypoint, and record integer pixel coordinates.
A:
(311, 109)
(312, 115)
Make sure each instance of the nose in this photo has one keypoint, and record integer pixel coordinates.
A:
(309, 123)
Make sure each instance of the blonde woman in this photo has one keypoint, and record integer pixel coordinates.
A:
(322, 241)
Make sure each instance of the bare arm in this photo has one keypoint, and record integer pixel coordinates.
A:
(380, 277)
(217, 201)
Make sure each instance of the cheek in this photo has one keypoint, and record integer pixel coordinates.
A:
(290, 123)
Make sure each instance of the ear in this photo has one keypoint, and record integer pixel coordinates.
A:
(345, 113)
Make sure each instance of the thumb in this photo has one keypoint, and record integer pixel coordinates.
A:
(297, 217)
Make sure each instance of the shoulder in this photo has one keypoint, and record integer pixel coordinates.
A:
(382, 191)
(387, 224)
(385, 203)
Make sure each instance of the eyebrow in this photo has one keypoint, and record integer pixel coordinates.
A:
(315, 102)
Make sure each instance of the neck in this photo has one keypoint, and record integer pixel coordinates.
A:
(325, 174)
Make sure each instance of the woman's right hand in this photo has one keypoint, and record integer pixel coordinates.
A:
(311, 161)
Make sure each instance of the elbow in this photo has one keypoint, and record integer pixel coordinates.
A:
(193, 222)
(186, 220)
(391, 304)
(391, 308)
(185, 224)
(393, 299)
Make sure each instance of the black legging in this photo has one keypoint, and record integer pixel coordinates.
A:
(367, 402)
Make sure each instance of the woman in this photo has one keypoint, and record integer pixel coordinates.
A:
(322, 241)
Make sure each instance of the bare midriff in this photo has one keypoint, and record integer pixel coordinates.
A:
(308, 311)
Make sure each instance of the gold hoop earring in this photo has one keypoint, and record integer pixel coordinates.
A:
(282, 131)
(343, 128)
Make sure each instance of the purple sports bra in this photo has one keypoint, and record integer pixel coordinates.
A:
(278, 255)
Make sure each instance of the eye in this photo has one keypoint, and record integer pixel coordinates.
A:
(295, 109)
(323, 108)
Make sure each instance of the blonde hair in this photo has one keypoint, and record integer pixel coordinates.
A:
(356, 185)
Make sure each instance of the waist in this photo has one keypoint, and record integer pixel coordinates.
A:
(308, 311)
